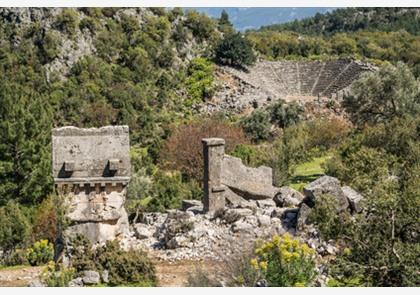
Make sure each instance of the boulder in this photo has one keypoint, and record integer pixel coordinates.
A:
(142, 231)
(325, 185)
(91, 277)
(278, 213)
(186, 204)
(242, 227)
(232, 215)
(264, 204)
(77, 282)
(263, 220)
(290, 217)
(288, 197)
(179, 242)
(249, 183)
(36, 283)
(105, 276)
(354, 199)
(196, 209)
(303, 213)
(235, 201)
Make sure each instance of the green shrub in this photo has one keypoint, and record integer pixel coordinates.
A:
(131, 267)
(200, 24)
(285, 262)
(251, 155)
(67, 21)
(285, 114)
(257, 126)
(14, 227)
(16, 257)
(324, 216)
(52, 277)
(40, 253)
(200, 80)
(169, 191)
(126, 268)
(235, 50)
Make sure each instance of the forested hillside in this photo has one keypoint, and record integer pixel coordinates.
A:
(385, 19)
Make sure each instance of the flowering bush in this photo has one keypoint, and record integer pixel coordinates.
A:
(285, 262)
(40, 253)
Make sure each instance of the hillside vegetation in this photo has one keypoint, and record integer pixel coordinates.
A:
(149, 68)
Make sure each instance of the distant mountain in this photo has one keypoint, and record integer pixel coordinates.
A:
(353, 19)
(244, 18)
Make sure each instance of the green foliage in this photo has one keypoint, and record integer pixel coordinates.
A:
(251, 155)
(129, 268)
(45, 219)
(257, 126)
(235, 50)
(200, 80)
(200, 24)
(14, 227)
(355, 19)
(169, 191)
(374, 46)
(284, 115)
(380, 96)
(324, 215)
(67, 21)
(285, 262)
(290, 149)
(40, 253)
(53, 278)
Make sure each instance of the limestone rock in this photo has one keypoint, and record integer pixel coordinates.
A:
(249, 183)
(263, 220)
(142, 231)
(288, 197)
(325, 185)
(242, 227)
(264, 204)
(278, 212)
(186, 204)
(354, 198)
(302, 216)
(105, 276)
(196, 209)
(77, 282)
(91, 277)
(36, 283)
(235, 201)
(232, 215)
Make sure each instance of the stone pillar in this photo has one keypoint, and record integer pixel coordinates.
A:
(213, 151)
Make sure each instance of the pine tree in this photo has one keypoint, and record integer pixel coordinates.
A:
(25, 130)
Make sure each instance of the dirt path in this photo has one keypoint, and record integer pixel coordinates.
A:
(19, 276)
(169, 274)
(175, 274)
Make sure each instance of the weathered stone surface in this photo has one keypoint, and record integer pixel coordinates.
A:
(143, 231)
(354, 198)
(105, 276)
(77, 282)
(325, 185)
(36, 283)
(235, 201)
(302, 216)
(196, 209)
(92, 167)
(213, 152)
(190, 203)
(278, 212)
(232, 215)
(249, 183)
(90, 151)
(264, 204)
(91, 277)
(288, 197)
(264, 220)
(242, 227)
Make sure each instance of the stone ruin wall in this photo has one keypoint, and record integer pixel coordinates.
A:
(91, 167)
(227, 179)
